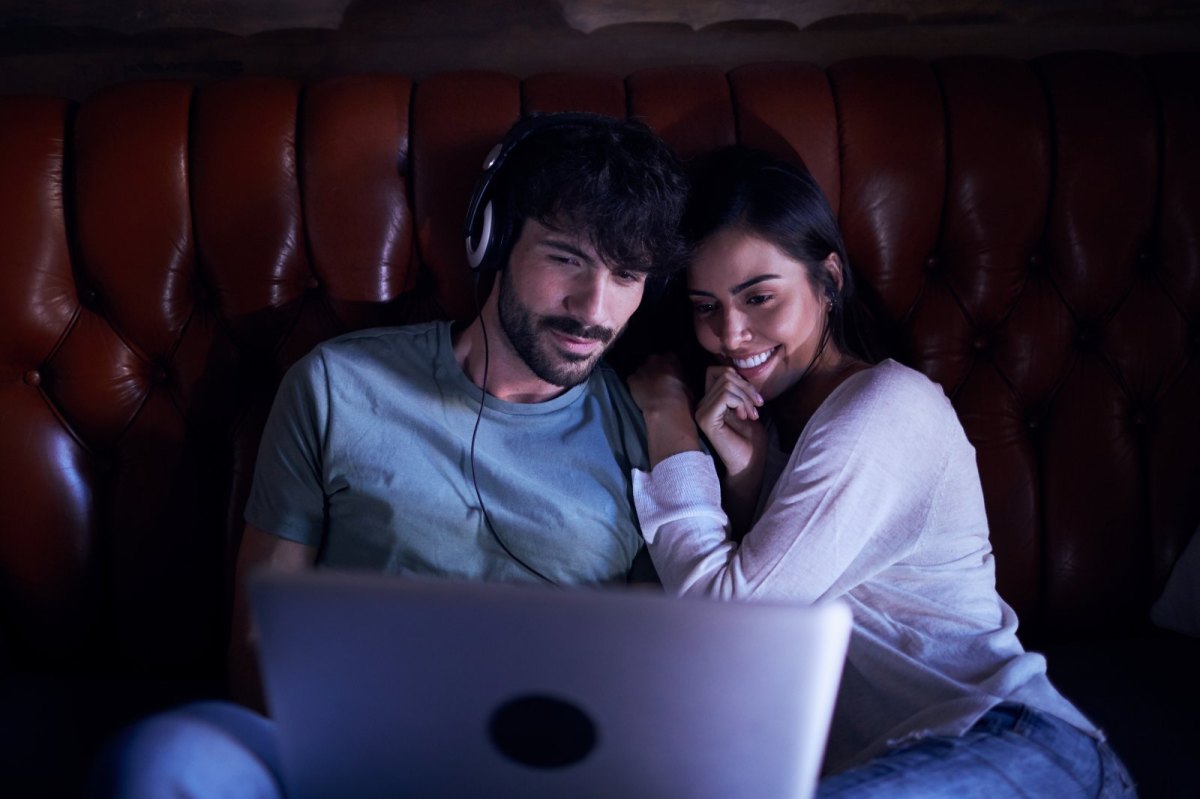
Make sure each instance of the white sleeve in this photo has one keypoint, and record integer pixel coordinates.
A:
(679, 509)
(852, 501)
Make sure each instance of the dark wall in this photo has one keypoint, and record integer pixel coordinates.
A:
(71, 48)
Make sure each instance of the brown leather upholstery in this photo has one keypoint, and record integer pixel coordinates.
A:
(1028, 233)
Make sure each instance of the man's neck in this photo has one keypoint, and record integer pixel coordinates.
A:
(508, 377)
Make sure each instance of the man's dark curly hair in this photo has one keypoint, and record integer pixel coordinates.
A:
(611, 181)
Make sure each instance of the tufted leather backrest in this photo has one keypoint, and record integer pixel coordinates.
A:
(1028, 233)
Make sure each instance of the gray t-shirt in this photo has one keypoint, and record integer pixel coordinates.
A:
(366, 456)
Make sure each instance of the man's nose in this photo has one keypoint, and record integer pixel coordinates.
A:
(588, 298)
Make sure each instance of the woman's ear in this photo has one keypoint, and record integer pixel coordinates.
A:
(833, 266)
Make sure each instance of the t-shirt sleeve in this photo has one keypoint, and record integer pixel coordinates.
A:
(852, 501)
(287, 496)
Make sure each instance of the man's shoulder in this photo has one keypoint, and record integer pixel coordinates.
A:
(605, 381)
(371, 351)
(366, 342)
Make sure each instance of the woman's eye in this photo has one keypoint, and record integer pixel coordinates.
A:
(702, 308)
(759, 299)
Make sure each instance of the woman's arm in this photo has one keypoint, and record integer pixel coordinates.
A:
(660, 392)
(852, 500)
(727, 415)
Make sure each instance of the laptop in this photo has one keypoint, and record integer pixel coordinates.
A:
(415, 687)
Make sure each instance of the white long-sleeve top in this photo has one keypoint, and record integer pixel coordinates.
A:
(879, 504)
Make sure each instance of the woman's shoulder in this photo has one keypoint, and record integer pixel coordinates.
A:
(890, 380)
(890, 394)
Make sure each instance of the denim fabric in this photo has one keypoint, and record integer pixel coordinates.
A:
(1013, 751)
(205, 750)
(214, 750)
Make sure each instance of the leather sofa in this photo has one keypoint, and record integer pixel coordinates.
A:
(1027, 233)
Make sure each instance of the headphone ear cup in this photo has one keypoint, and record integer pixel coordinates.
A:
(481, 214)
(488, 228)
(477, 253)
(491, 252)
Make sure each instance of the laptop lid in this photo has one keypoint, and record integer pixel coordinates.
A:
(389, 686)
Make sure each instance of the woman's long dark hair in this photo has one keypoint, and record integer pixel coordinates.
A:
(780, 203)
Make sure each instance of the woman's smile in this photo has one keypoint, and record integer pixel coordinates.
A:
(751, 361)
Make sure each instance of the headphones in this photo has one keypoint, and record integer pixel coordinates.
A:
(489, 223)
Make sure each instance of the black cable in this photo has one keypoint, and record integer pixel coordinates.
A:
(487, 519)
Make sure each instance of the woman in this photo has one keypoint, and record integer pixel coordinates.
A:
(850, 481)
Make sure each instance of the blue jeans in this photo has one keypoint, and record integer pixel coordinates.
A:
(1013, 751)
(218, 749)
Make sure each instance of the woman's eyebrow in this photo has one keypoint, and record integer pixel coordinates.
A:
(740, 287)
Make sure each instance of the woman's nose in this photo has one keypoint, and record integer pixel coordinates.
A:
(733, 329)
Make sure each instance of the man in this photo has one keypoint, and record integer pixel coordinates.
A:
(438, 451)
(370, 459)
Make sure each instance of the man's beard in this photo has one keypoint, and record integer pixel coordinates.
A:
(526, 332)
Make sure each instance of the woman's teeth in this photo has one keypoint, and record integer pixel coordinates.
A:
(753, 360)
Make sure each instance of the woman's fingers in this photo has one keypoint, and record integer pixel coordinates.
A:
(728, 392)
(728, 416)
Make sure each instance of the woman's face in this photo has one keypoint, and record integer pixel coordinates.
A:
(755, 308)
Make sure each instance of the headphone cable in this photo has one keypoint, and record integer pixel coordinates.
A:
(487, 519)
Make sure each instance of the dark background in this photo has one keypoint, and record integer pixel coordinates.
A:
(74, 47)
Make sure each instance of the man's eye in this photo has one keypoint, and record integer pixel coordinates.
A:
(628, 277)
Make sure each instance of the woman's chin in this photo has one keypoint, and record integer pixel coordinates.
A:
(765, 385)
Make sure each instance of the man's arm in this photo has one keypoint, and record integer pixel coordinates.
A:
(259, 550)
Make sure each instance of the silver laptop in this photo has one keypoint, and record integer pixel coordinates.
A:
(400, 687)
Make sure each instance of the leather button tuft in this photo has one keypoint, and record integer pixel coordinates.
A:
(89, 298)
(33, 378)
(932, 264)
(1036, 260)
(982, 342)
(159, 375)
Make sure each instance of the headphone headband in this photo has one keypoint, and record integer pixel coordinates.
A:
(488, 227)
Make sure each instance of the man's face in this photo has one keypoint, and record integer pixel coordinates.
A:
(561, 306)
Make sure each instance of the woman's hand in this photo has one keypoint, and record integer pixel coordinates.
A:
(660, 391)
(658, 386)
(728, 415)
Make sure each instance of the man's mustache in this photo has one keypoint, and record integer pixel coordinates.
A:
(572, 327)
